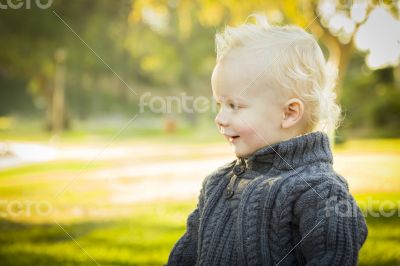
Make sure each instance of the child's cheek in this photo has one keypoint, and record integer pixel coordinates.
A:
(247, 129)
(247, 132)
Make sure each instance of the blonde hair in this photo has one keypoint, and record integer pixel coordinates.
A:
(298, 66)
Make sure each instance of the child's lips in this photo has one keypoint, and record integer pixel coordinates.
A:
(231, 139)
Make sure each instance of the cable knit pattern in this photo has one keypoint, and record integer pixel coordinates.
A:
(283, 205)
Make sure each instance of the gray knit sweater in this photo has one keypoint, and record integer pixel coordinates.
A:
(284, 205)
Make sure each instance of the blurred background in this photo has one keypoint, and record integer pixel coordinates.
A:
(107, 131)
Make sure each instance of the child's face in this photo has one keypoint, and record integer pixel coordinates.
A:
(249, 118)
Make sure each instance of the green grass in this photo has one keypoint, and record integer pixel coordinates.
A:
(383, 243)
(362, 146)
(144, 234)
(142, 129)
(145, 238)
(52, 167)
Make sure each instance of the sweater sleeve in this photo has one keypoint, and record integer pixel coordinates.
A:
(331, 226)
(184, 251)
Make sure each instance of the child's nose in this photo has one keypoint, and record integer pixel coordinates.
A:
(221, 119)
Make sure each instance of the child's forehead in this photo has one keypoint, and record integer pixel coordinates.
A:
(243, 75)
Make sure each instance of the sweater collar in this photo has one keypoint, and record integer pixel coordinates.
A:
(290, 154)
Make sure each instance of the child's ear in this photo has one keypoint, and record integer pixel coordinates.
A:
(292, 112)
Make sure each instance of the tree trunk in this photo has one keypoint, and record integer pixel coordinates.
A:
(58, 106)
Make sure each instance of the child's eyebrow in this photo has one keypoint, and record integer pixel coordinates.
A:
(241, 100)
(237, 99)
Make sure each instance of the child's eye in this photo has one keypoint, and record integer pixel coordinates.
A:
(234, 106)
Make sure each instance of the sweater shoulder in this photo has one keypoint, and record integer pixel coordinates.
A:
(310, 190)
(315, 175)
(319, 182)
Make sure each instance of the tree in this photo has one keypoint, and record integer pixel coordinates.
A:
(32, 37)
(177, 24)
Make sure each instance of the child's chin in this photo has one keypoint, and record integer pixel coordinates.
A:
(241, 154)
